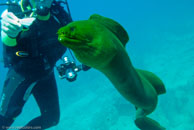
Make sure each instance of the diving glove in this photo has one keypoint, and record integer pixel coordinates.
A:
(11, 25)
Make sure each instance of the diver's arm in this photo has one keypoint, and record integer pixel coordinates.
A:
(10, 28)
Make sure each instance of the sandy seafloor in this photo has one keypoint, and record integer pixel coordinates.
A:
(161, 40)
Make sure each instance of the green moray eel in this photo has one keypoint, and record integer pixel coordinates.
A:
(100, 43)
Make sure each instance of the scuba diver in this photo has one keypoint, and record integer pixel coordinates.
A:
(31, 50)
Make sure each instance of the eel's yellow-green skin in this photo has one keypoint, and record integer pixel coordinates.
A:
(100, 43)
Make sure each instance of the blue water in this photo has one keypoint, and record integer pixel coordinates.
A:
(161, 40)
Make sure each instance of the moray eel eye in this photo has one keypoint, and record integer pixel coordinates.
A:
(72, 29)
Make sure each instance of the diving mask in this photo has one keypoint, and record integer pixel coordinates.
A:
(41, 8)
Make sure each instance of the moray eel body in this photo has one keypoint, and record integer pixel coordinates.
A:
(100, 43)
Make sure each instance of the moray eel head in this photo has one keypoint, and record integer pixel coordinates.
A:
(95, 41)
(89, 41)
(73, 35)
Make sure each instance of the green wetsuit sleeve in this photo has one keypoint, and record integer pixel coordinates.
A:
(8, 41)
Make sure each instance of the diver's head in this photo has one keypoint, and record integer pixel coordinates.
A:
(45, 3)
(42, 6)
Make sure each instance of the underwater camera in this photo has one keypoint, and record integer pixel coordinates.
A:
(68, 69)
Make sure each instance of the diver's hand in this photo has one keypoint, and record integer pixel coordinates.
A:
(11, 25)
(85, 67)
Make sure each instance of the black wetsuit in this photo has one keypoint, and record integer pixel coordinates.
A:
(33, 75)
